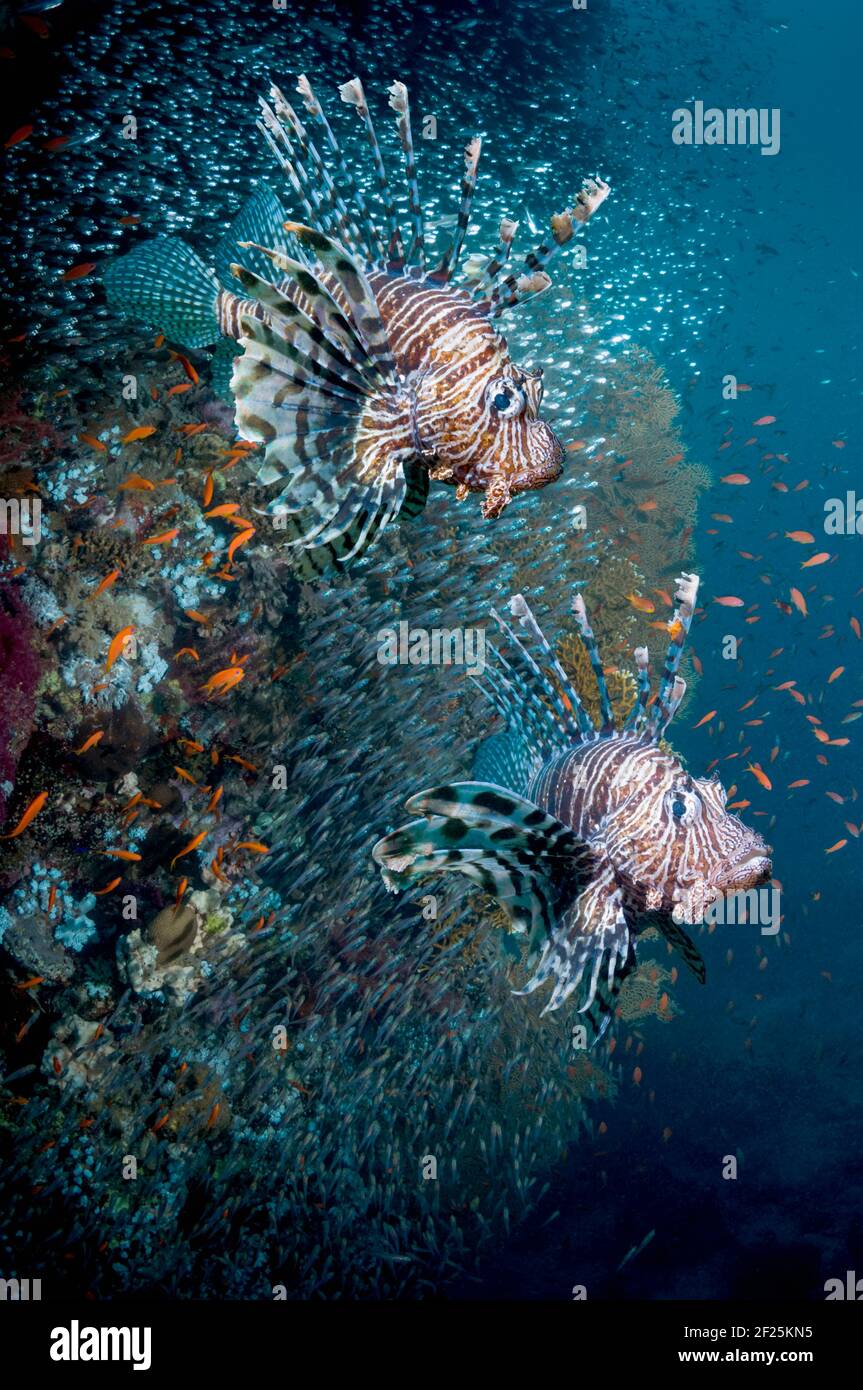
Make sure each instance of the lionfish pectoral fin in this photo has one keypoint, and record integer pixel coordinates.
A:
(339, 445)
(590, 939)
(524, 858)
(684, 945)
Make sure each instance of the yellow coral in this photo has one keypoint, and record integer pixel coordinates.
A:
(645, 994)
(622, 687)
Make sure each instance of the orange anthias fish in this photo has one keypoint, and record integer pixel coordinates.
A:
(224, 680)
(426, 388)
(191, 846)
(29, 815)
(643, 605)
(105, 584)
(140, 432)
(117, 645)
(90, 742)
(760, 775)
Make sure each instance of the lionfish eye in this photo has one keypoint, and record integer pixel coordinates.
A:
(678, 808)
(502, 400)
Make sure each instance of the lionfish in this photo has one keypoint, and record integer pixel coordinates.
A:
(584, 836)
(363, 370)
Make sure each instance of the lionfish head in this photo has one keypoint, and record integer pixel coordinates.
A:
(519, 450)
(683, 841)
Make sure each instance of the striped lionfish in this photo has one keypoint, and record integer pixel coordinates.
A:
(583, 836)
(362, 369)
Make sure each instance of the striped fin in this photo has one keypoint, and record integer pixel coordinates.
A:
(449, 262)
(282, 147)
(588, 641)
(682, 943)
(352, 93)
(526, 859)
(307, 167)
(572, 716)
(260, 221)
(416, 496)
(516, 289)
(488, 271)
(307, 293)
(531, 278)
(313, 106)
(165, 284)
(398, 94)
(335, 345)
(592, 934)
(337, 447)
(686, 597)
(222, 367)
(505, 759)
(358, 293)
(638, 714)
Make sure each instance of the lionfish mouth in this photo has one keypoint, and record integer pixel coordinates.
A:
(540, 472)
(751, 868)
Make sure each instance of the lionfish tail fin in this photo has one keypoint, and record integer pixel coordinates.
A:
(527, 860)
(165, 284)
(316, 384)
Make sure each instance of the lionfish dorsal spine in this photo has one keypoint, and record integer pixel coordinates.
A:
(662, 710)
(449, 261)
(399, 102)
(638, 714)
(274, 132)
(366, 240)
(591, 647)
(558, 704)
(352, 93)
(497, 261)
(300, 152)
